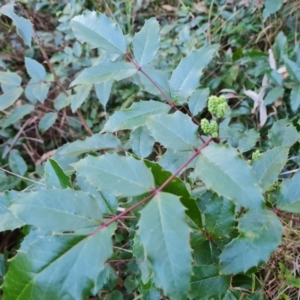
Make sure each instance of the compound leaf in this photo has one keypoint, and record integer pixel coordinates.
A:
(91, 144)
(260, 234)
(268, 166)
(134, 116)
(122, 176)
(165, 234)
(224, 171)
(98, 30)
(146, 42)
(57, 210)
(47, 265)
(176, 131)
(185, 78)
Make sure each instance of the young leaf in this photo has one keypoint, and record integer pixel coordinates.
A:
(268, 166)
(93, 143)
(224, 171)
(198, 100)
(47, 121)
(289, 195)
(104, 72)
(65, 180)
(260, 234)
(57, 210)
(24, 26)
(103, 91)
(51, 264)
(248, 140)
(34, 69)
(176, 187)
(283, 134)
(16, 163)
(165, 234)
(121, 176)
(141, 141)
(9, 97)
(17, 114)
(207, 283)
(146, 42)
(81, 93)
(185, 78)
(98, 30)
(134, 116)
(176, 131)
(219, 217)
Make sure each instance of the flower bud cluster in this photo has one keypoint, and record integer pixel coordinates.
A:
(210, 128)
(217, 106)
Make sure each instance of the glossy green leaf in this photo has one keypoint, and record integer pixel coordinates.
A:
(248, 140)
(141, 259)
(198, 100)
(121, 176)
(24, 26)
(8, 221)
(47, 121)
(268, 166)
(295, 98)
(57, 210)
(207, 283)
(260, 234)
(93, 143)
(273, 95)
(81, 94)
(51, 264)
(271, 7)
(185, 78)
(98, 30)
(17, 114)
(292, 68)
(289, 195)
(103, 91)
(176, 131)
(168, 249)
(176, 187)
(10, 78)
(16, 163)
(219, 217)
(65, 180)
(280, 45)
(9, 97)
(141, 141)
(40, 91)
(134, 116)
(146, 42)
(283, 133)
(34, 69)
(228, 174)
(104, 72)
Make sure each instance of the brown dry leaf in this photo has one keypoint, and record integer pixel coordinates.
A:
(169, 7)
(201, 7)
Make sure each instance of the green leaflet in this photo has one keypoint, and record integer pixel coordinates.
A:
(146, 42)
(260, 234)
(134, 116)
(64, 180)
(207, 283)
(17, 114)
(103, 91)
(47, 265)
(34, 69)
(91, 144)
(98, 30)
(9, 97)
(47, 121)
(81, 94)
(185, 78)
(16, 163)
(121, 176)
(57, 210)
(268, 166)
(271, 7)
(165, 234)
(197, 101)
(248, 140)
(141, 141)
(176, 131)
(289, 195)
(224, 171)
